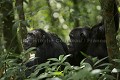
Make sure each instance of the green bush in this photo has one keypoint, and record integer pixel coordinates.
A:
(55, 69)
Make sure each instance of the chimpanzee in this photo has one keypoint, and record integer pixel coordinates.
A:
(48, 45)
(97, 46)
(96, 41)
(57, 39)
(79, 42)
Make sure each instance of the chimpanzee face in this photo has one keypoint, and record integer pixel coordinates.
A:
(33, 38)
(79, 37)
(30, 41)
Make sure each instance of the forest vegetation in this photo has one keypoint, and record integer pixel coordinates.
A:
(18, 17)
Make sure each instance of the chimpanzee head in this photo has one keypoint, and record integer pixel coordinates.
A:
(79, 37)
(34, 38)
(98, 32)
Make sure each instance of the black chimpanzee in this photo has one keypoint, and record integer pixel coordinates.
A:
(79, 42)
(97, 46)
(48, 45)
(91, 42)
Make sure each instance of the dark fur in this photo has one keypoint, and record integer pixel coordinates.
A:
(96, 41)
(79, 42)
(48, 45)
(98, 45)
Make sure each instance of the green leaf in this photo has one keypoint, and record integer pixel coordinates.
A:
(119, 9)
(65, 57)
(30, 49)
(96, 71)
(15, 27)
(116, 60)
(57, 74)
(39, 67)
(115, 70)
(25, 1)
(103, 65)
(55, 78)
(25, 23)
(109, 77)
(53, 59)
(42, 76)
(61, 57)
(100, 61)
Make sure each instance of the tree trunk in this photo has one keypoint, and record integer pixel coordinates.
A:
(8, 17)
(110, 23)
(20, 10)
(1, 29)
(76, 11)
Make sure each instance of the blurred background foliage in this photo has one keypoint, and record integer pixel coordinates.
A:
(59, 15)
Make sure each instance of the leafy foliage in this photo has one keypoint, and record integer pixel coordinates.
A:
(55, 69)
(39, 14)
